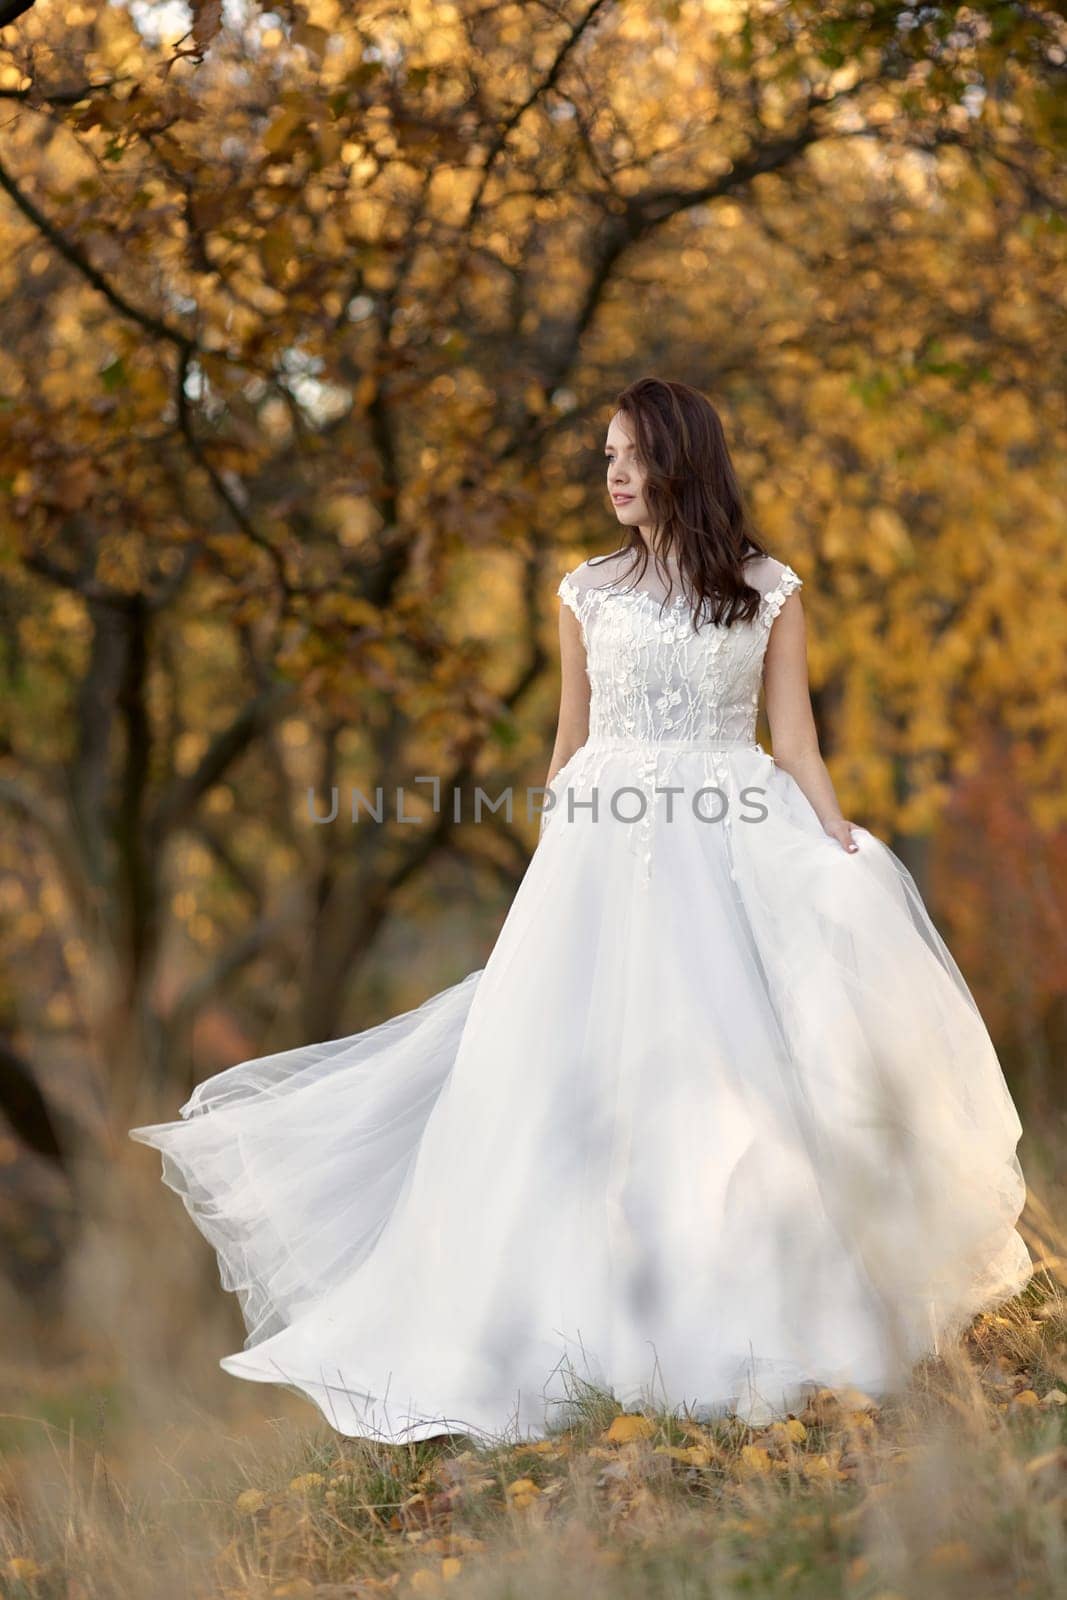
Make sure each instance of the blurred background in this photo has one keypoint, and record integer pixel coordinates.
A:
(311, 321)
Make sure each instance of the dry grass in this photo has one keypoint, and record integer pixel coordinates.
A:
(125, 1483)
(957, 1487)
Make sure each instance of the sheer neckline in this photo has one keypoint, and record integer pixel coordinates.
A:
(652, 567)
(660, 604)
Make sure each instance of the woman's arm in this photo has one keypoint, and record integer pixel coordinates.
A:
(573, 727)
(792, 722)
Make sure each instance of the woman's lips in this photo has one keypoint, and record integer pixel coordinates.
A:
(622, 499)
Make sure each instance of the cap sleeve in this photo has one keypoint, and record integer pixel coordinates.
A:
(775, 598)
(569, 593)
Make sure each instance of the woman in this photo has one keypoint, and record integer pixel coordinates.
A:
(718, 1120)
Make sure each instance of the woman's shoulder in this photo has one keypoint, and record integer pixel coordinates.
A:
(763, 571)
(769, 575)
(606, 562)
(594, 570)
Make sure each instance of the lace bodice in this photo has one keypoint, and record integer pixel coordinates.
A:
(654, 675)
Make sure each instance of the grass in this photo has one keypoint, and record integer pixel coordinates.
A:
(957, 1487)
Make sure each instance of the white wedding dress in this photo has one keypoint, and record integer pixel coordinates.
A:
(718, 1119)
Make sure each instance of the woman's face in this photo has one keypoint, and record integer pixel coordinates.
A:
(626, 473)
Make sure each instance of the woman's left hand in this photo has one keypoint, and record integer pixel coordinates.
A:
(841, 830)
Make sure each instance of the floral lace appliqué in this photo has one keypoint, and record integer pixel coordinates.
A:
(654, 674)
(658, 680)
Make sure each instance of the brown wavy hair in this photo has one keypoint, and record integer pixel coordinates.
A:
(693, 497)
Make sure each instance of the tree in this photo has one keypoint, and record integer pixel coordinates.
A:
(308, 331)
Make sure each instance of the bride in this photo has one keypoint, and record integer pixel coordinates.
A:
(717, 1121)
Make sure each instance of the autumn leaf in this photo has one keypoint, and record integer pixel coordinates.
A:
(790, 1431)
(522, 1492)
(629, 1426)
(207, 20)
(307, 1482)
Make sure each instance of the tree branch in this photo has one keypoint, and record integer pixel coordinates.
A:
(77, 259)
(180, 801)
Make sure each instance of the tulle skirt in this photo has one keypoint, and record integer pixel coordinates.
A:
(718, 1120)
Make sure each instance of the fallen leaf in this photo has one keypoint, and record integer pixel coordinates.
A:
(629, 1426)
(522, 1492)
(306, 1482)
(692, 1455)
(792, 1430)
(860, 1421)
